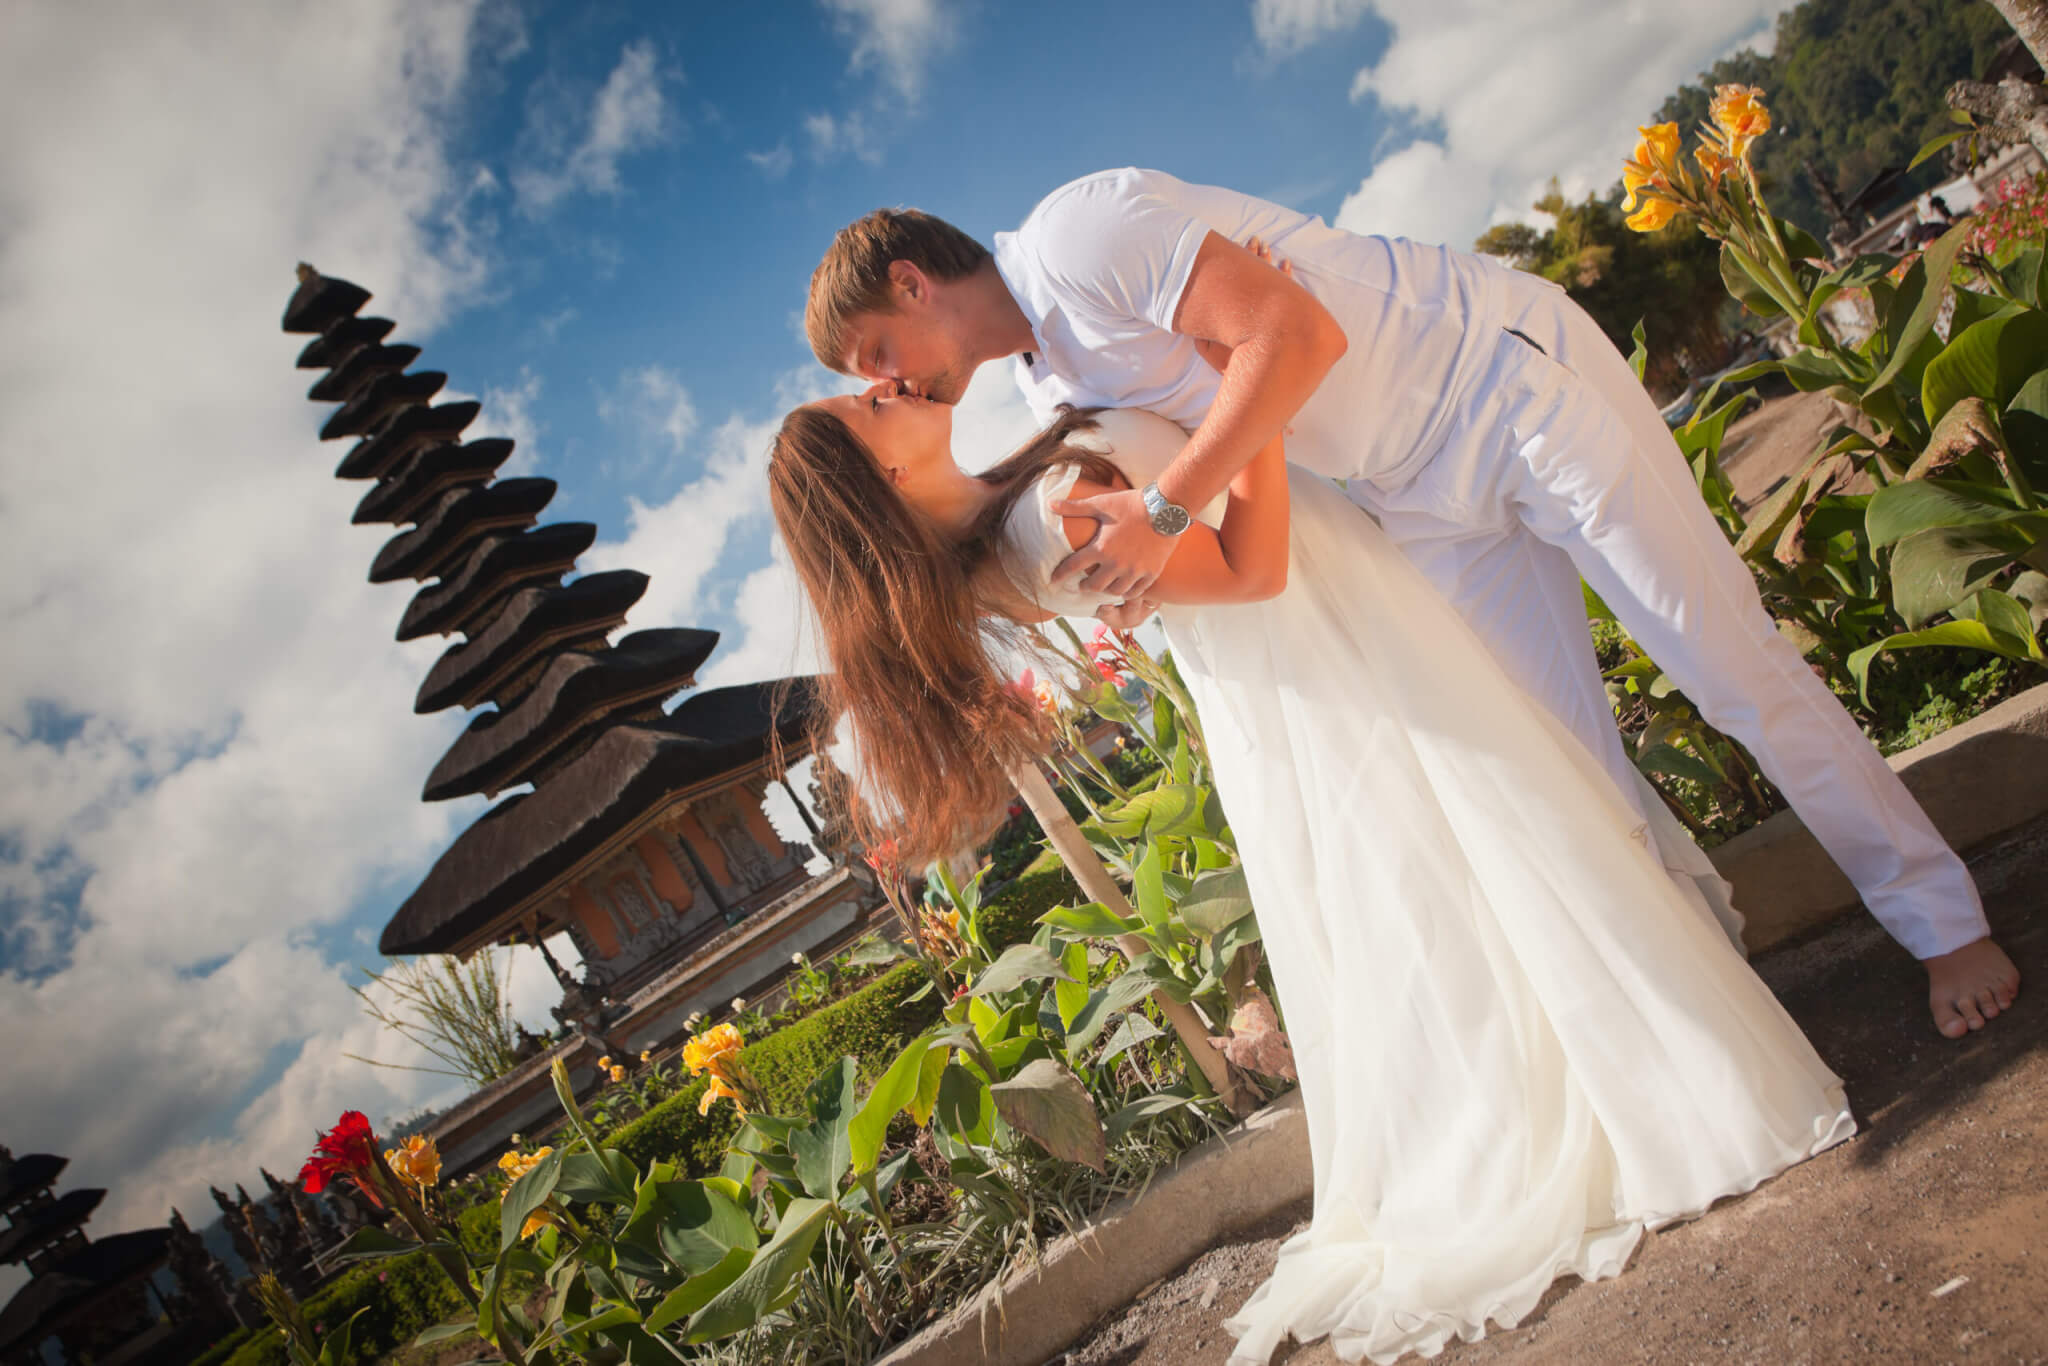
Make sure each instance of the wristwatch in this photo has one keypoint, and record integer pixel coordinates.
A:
(1168, 519)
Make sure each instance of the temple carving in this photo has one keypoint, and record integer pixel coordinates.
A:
(637, 831)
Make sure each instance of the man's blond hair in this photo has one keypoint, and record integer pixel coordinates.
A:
(854, 276)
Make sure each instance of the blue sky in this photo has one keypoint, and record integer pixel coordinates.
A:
(599, 219)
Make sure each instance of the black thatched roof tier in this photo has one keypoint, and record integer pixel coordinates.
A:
(385, 396)
(456, 521)
(521, 845)
(409, 430)
(429, 474)
(363, 364)
(533, 620)
(31, 1231)
(39, 1306)
(493, 570)
(320, 301)
(27, 1174)
(576, 695)
(332, 347)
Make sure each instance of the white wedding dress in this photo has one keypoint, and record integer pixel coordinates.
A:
(1520, 1042)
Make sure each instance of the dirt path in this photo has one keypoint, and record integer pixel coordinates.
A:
(1924, 1239)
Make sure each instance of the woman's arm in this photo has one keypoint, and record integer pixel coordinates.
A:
(1244, 560)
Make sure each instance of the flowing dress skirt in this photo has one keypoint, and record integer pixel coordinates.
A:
(1521, 1043)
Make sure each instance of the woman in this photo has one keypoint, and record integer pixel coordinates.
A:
(1519, 1043)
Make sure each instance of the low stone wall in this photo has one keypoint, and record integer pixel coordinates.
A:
(1976, 782)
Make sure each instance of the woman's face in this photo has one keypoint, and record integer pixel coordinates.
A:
(909, 437)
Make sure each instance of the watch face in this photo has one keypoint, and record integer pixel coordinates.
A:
(1170, 519)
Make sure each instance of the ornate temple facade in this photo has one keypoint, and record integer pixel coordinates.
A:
(99, 1300)
(637, 831)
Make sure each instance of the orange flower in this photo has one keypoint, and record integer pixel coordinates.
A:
(711, 1048)
(1654, 162)
(719, 1090)
(538, 1220)
(618, 1073)
(1739, 112)
(1713, 162)
(419, 1161)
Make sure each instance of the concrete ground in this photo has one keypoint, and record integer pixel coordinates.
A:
(1924, 1239)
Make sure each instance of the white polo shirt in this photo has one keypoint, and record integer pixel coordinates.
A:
(1099, 266)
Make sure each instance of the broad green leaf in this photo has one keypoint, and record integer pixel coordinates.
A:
(1135, 1029)
(1675, 763)
(1068, 997)
(1088, 1021)
(880, 949)
(1169, 809)
(586, 1177)
(1935, 144)
(527, 1194)
(697, 1224)
(2004, 614)
(369, 1243)
(1049, 1103)
(1934, 570)
(1143, 1108)
(696, 1292)
(1919, 301)
(1019, 964)
(1639, 357)
(1991, 360)
(822, 1148)
(964, 1110)
(895, 1089)
(1969, 428)
(444, 1332)
(755, 1291)
(2031, 589)
(1217, 899)
(1899, 510)
(1149, 890)
(1093, 920)
(2026, 274)
(1855, 275)
(1973, 635)
(929, 1072)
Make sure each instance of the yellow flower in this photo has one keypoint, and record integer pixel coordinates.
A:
(517, 1164)
(939, 933)
(536, 1221)
(419, 1161)
(719, 1090)
(1654, 160)
(1654, 214)
(646, 1055)
(711, 1048)
(618, 1073)
(1739, 112)
(604, 1064)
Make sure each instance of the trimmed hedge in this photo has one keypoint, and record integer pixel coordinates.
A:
(872, 1024)
(404, 1295)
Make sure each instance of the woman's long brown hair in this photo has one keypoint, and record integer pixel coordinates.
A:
(911, 645)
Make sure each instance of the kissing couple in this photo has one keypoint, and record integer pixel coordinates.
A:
(1525, 1027)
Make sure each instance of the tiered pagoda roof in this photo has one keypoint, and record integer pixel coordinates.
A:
(579, 719)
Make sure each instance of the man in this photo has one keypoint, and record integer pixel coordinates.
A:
(1479, 415)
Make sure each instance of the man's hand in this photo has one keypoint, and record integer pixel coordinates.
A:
(1124, 555)
(1126, 615)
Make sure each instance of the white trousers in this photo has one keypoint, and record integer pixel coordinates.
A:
(1558, 466)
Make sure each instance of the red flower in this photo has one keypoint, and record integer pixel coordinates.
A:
(883, 858)
(348, 1149)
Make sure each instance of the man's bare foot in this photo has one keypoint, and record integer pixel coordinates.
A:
(1969, 986)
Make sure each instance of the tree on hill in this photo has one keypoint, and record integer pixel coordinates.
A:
(1855, 87)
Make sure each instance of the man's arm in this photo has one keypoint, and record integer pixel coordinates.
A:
(1281, 343)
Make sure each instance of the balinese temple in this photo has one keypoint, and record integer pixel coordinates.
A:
(637, 831)
(98, 1300)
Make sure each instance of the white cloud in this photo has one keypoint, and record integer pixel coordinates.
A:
(205, 724)
(851, 134)
(653, 411)
(898, 38)
(1512, 96)
(1285, 27)
(508, 411)
(628, 114)
(775, 162)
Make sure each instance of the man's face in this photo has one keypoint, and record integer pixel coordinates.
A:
(913, 345)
